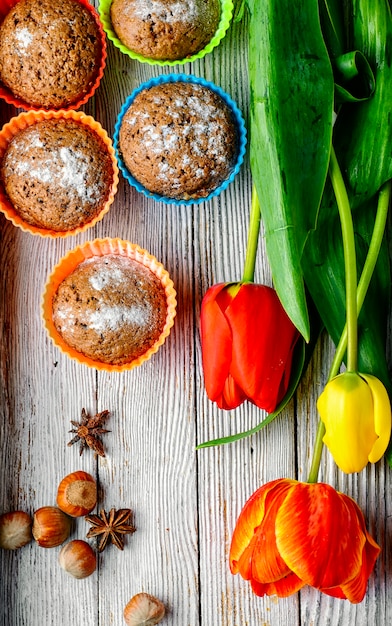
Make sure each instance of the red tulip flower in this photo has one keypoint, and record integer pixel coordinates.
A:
(247, 345)
(290, 534)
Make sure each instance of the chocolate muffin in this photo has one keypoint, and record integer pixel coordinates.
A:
(57, 173)
(50, 52)
(165, 29)
(110, 308)
(179, 140)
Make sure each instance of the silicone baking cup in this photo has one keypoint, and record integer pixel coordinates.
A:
(25, 119)
(224, 23)
(102, 247)
(7, 95)
(190, 79)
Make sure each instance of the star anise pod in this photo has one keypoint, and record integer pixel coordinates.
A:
(110, 527)
(88, 430)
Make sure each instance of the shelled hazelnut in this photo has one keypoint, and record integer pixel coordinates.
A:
(78, 558)
(15, 530)
(77, 494)
(143, 610)
(51, 526)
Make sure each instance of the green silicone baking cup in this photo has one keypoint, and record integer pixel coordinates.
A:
(224, 23)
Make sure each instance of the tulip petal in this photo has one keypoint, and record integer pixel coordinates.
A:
(282, 588)
(263, 342)
(319, 536)
(231, 395)
(267, 564)
(346, 408)
(245, 537)
(216, 340)
(334, 592)
(355, 589)
(382, 417)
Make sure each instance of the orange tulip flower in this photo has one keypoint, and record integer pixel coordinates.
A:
(247, 345)
(291, 534)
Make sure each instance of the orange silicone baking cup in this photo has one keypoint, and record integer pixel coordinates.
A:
(25, 119)
(7, 95)
(102, 247)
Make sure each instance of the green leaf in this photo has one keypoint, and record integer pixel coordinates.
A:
(364, 131)
(292, 89)
(355, 76)
(332, 25)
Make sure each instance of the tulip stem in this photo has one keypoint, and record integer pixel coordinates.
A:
(349, 261)
(317, 452)
(368, 268)
(253, 238)
(367, 273)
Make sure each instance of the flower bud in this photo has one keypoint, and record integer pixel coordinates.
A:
(356, 412)
(247, 345)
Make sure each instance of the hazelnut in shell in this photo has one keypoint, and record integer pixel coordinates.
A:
(77, 494)
(144, 610)
(15, 530)
(51, 526)
(78, 558)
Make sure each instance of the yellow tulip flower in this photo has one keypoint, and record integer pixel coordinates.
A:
(356, 412)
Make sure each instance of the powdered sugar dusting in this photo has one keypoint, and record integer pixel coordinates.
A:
(169, 12)
(111, 271)
(113, 317)
(106, 317)
(24, 38)
(62, 166)
(106, 275)
(194, 117)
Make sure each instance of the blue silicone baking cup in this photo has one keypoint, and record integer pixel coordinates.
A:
(188, 78)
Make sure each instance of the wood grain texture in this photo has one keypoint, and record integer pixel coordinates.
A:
(185, 502)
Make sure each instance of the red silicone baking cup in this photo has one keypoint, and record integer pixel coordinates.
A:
(7, 95)
(25, 119)
(102, 247)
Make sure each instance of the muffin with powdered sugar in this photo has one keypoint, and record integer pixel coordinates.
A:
(52, 53)
(165, 29)
(109, 304)
(58, 171)
(179, 139)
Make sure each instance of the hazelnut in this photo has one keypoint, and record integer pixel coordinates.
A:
(143, 610)
(15, 530)
(51, 527)
(77, 494)
(78, 558)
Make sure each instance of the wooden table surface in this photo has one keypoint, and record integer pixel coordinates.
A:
(185, 502)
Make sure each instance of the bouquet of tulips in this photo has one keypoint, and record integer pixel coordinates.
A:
(320, 75)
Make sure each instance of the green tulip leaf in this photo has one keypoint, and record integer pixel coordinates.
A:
(333, 26)
(363, 133)
(355, 76)
(292, 89)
